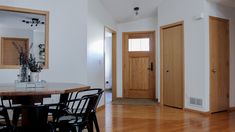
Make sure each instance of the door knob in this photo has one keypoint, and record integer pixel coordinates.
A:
(151, 66)
(213, 70)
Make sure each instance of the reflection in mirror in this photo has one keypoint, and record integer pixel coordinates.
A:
(26, 28)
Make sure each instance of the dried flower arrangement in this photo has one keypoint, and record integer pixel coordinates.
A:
(33, 65)
(30, 61)
(23, 55)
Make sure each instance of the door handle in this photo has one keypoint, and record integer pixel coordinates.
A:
(213, 70)
(151, 66)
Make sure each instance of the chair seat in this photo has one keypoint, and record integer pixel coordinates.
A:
(70, 119)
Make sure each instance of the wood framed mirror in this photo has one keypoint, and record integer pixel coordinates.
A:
(26, 28)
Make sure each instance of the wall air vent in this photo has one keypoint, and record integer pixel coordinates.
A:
(196, 101)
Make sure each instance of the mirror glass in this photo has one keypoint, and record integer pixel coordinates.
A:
(23, 29)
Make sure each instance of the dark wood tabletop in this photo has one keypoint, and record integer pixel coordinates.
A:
(7, 89)
(28, 96)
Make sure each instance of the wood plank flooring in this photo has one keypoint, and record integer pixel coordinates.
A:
(133, 118)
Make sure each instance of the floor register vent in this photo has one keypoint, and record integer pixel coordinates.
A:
(196, 101)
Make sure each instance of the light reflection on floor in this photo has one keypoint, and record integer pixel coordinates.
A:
(108, 96)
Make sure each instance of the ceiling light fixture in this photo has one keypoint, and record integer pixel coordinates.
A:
(136, 9)
(33, 22)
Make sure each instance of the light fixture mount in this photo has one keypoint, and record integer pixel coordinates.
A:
(33, 22)
(136, 9)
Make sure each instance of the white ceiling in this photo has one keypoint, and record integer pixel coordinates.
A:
(122, 10)
(230, 3)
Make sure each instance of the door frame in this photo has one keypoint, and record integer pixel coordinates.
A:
(114, 59)
(210, 45)
(162, 64)
(154, 60)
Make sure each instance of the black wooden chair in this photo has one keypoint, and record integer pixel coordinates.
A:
(8, 103)
(93, 116)
(5, 124)
(76, 113)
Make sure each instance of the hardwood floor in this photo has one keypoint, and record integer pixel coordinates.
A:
(132, 118)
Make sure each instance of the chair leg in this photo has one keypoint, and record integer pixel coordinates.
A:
(79, 129)
(16, 116)
(90, 123)
(63, 127)
(73, 129)
(9, 127)
(96, 123)
(89, 129)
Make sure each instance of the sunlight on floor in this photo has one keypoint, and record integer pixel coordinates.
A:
(108, 96)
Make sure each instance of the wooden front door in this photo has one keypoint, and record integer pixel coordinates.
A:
(172, 78)
(139, 65)
(219, 64)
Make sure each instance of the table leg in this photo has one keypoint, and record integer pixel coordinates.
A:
(64, 97)
(24, 101)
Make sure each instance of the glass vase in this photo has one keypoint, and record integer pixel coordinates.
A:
(34, 76)
(23, 73)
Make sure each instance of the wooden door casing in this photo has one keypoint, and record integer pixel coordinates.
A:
(114, 61)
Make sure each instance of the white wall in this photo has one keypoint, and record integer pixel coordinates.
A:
(98, 18)
(195, 46)
(108, 62)
(38, 38)
(67, 40)
(148, 24)
(217, 10)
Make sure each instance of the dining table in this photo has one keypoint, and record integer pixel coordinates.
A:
(31, 95)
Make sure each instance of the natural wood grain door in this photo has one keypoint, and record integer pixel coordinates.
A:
(172, 65)
(219, 64)
(138, 65)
